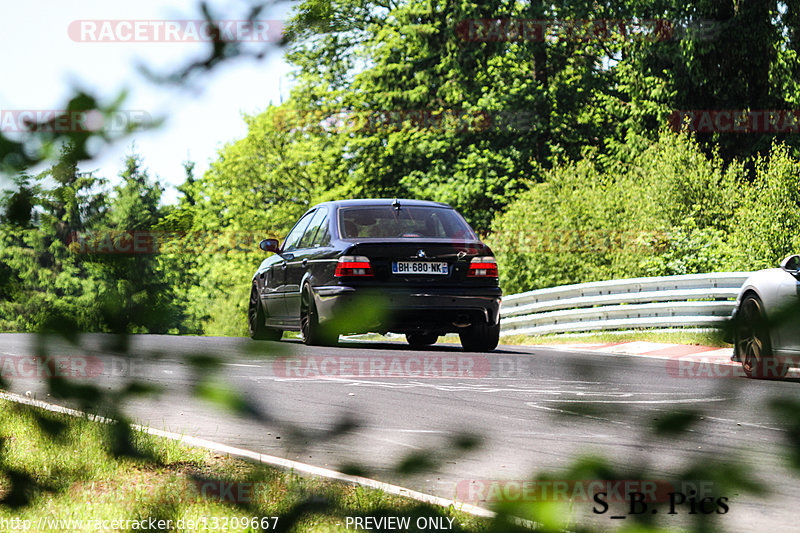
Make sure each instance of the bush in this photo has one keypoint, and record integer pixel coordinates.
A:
(669, 212)
(766, 228)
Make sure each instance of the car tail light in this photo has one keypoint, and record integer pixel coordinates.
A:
(482, 267)
(353, 265)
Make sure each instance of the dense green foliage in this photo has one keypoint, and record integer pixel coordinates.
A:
(670, 211)
(56, 272)
(557, 149)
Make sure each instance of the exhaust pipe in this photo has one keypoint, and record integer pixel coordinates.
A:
(462, 321)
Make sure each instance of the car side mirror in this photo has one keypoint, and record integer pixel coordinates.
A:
(792, 265)
(269, 245)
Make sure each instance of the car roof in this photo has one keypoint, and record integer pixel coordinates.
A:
(384, 201)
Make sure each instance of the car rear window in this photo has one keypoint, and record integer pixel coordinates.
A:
(386, 222)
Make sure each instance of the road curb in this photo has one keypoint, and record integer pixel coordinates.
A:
(652, 350)
(286, 464)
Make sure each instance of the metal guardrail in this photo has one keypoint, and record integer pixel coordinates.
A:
(693, 300)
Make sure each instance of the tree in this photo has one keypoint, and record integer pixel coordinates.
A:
(137, 295)
(49, 283)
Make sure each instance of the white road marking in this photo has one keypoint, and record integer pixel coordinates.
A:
(584, 415)
(401, 430)
(395, 442)
(742, 423)
(667, 402)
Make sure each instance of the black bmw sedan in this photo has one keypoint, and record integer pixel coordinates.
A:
(356, 266)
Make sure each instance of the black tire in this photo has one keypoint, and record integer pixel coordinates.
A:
(480, 337)
(256, 320)
(420, 340)
(313, 333)
(752, 341)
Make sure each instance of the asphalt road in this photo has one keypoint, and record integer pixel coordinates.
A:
(533, 409)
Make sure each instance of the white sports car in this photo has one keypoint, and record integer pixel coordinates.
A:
(766, 321)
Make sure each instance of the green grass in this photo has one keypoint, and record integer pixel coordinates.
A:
(76, 476)
(701, 337)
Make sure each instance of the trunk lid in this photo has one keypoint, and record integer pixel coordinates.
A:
(456, 254)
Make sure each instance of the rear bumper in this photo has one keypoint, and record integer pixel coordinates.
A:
(403, 310)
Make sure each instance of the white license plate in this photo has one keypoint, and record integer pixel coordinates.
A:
(418, 267)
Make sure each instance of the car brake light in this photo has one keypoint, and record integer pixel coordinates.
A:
(482, 267)
(353, 265)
